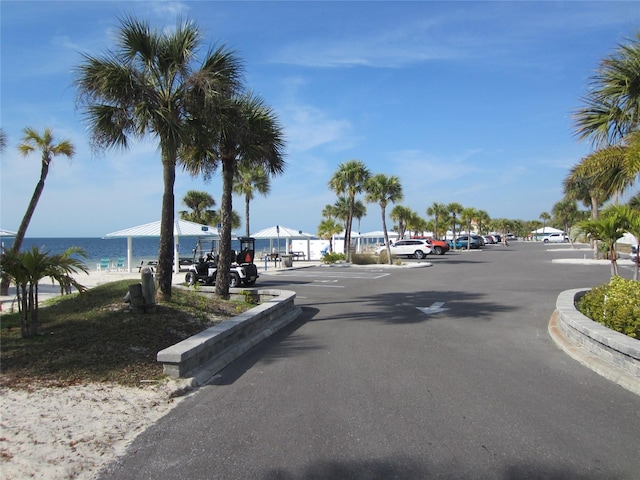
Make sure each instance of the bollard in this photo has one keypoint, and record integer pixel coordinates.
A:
(266, 260)
(148, 290)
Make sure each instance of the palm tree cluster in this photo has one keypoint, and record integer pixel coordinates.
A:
(26, 269)
(610, 118)
(204, 118)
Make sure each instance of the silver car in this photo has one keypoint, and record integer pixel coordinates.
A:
(408, 248)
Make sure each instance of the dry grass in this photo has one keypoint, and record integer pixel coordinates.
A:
(94, 337)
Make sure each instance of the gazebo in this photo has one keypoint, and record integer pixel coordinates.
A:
(181, 228)
(288, 234)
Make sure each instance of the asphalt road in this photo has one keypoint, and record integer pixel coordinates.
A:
(367, 386)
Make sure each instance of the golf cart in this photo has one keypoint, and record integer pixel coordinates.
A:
(205, 264)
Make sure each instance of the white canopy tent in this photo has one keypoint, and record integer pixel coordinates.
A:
(181, 228)
(288, 234)
(7, 233)
(543, 230)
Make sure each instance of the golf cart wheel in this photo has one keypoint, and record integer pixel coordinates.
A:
(234, 280)
(190, 278)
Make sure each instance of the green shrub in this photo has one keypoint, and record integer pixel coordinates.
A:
(615, 305)
(363, 259)
(333, 257)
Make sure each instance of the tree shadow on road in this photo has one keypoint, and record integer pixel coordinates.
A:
(403, 308)
(408, 468)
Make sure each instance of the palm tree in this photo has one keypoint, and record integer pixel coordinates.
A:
(634, 202)
(608, 229)
(612, 108)
(349, 179)
(26, 269)
(151, 85)
(46, 145)
(250, 179)
(545, 217)
(468, 215)
(249, 134)
(566, 213)
(327, 229)
(454, 209)
(383, 190)
(438, 211)
(483, 219)
(401, 215)
(49, 149)
(359, 211)
(200, 204)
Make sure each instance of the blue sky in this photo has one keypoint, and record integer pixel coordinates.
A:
(467, 102)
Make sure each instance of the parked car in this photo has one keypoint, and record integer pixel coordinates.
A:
(476, 241)
(634, 254)
(489, 239)
(439, 247)
(415, 248)
(556, 238)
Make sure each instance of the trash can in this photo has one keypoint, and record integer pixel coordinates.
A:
(287, 260)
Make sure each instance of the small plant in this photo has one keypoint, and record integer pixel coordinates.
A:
(363, 259)
(615, 305)
(333, 257)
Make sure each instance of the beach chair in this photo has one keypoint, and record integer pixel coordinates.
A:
(104, 265)
(120, 264)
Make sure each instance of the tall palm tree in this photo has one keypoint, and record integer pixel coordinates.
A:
(468, 216)
(454, 209)
(250, 179)
(612, 109)
(438, 211)
(46, 145)
(566, 213)
(349, 179)
(249, 134)
(383, 190)
(151, 85)
(200, 204)
(401, 215)
(483, 219)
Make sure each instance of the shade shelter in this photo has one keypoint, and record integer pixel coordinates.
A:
(181, 228)
(288, 234)
(7, 233)
(544, 231)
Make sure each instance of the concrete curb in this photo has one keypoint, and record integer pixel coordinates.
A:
(203, 355)
(610, 354)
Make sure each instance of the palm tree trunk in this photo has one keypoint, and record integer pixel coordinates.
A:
(165, 248)
(226, 206)
(22, 231)
(386, 235)
(246, 215)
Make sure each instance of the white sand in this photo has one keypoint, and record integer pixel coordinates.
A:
(72, 432)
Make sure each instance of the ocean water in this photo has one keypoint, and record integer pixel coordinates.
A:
(144, 248)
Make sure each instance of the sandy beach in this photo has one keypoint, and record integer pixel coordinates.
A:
(72, 432)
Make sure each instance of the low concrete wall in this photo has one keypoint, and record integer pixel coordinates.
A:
(614, 348)
(214, 348)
